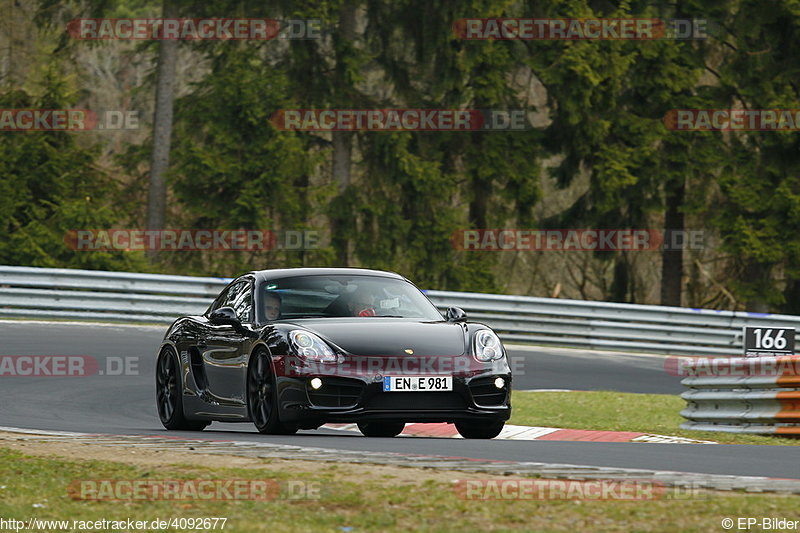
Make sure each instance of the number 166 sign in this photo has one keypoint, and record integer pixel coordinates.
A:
(764, 342)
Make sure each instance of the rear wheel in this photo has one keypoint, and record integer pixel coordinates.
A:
(169, 395)
(480, 430)
(262, 398)
(381, 429)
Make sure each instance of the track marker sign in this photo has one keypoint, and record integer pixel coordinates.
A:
(768, 342)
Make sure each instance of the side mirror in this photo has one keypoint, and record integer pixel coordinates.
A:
(456, 314)
(224, 316)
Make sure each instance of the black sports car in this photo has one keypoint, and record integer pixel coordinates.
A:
(297, 348)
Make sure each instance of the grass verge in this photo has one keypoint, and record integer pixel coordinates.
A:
(619, 411)
(350, 501)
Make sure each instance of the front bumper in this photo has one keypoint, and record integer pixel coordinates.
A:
(357, 399)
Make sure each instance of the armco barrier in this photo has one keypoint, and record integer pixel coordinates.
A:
(108, 296)
(759, 395)
(123, 296)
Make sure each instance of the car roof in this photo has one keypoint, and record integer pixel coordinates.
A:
(279, 273)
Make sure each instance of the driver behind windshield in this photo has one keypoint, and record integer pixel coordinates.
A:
(272, 306)
(362, 303)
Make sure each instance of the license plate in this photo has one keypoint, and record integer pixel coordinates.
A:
(417, 383)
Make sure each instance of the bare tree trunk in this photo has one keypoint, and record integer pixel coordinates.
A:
(480, 187)
(7, 75)
(162, 129)
(792, 295)
(342, 156)
(620, 290)
(479, 204)
(759, 275)
(343, 140)
(672, 260)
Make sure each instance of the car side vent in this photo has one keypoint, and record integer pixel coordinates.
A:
(198, 370)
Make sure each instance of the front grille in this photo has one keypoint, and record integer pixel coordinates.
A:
(416, 401)
(336, 392)
(485, 393)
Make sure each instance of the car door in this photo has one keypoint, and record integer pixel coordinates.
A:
(225, 348)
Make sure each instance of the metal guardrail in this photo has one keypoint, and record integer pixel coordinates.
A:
(153, 298)
(743, 395)
(98, 295)
(611, 326)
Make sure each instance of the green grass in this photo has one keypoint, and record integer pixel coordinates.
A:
(353, 503)
(619, 411)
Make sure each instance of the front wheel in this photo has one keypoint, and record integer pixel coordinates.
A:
(262, 398)
(169, 395)
(381, 429)
(480, 430)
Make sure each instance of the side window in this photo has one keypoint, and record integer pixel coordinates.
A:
(219, 302)
(239, 297)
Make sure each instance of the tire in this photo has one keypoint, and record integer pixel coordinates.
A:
(262, 397)
(169, 394)
(381, 429)
(480, 430)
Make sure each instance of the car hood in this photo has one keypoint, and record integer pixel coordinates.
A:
(375, 336)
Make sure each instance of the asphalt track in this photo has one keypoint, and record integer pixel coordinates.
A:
(124, 404)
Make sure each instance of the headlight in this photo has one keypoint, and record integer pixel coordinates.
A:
(309, 346)
(487, 346)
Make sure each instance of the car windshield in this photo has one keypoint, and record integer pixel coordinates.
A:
(345, 296)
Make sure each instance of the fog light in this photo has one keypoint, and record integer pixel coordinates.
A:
(499, 383)
(316, 383)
